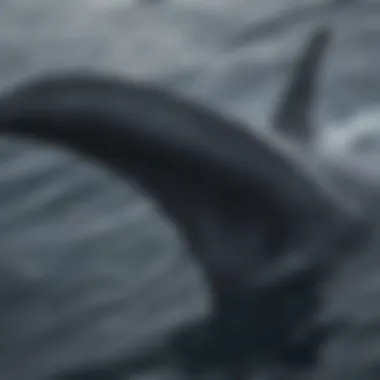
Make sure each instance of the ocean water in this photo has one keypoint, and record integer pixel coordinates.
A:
(92, 267)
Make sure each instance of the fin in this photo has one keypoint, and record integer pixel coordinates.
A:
(293, 119)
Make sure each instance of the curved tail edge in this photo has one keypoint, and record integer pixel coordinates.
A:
(237, 197)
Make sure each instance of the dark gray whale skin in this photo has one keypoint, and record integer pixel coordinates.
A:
(81, 301)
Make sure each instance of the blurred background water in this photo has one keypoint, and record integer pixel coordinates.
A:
(90, 266)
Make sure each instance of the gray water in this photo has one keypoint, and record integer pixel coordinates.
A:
(94, 269)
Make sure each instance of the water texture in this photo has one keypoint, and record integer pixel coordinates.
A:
(91, 267)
